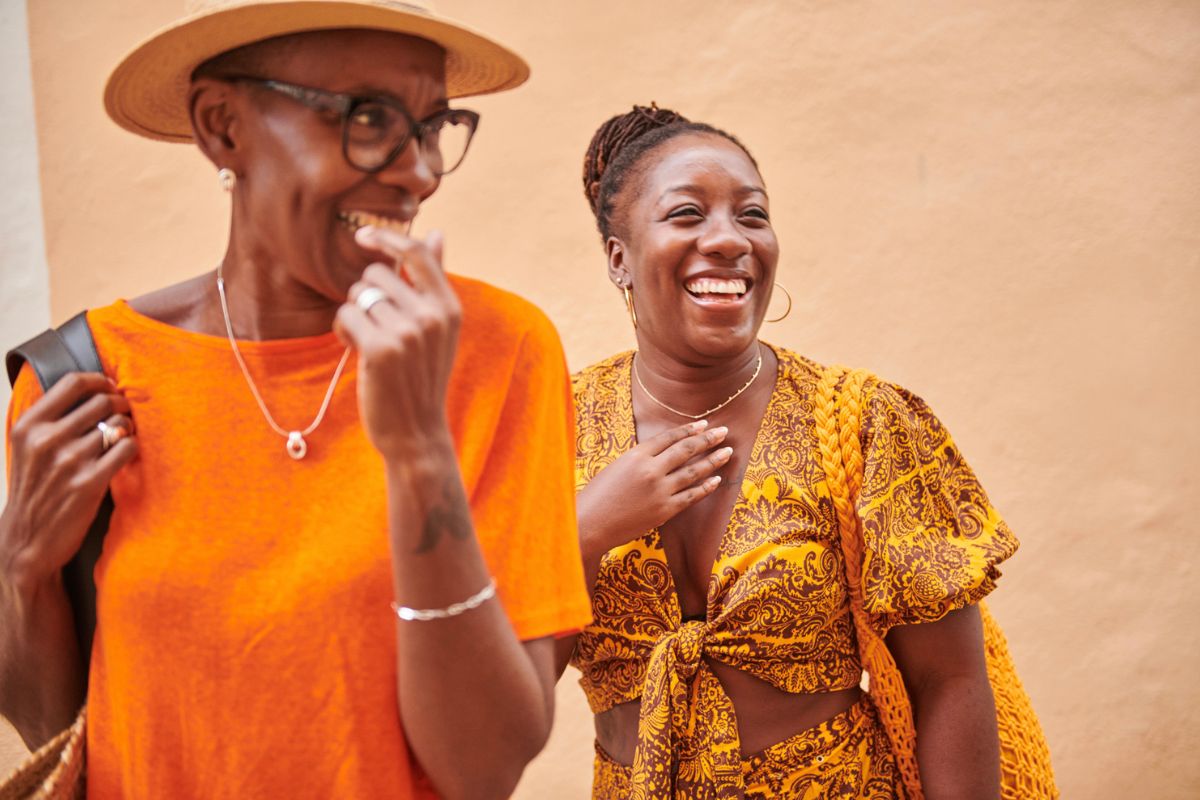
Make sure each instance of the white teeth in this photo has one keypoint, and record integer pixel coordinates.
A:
(713, 286)
(358, 219)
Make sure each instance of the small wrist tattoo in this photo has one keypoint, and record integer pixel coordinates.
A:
(448, 516)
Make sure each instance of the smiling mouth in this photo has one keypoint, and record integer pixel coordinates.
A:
(716, 291)
(353, 220)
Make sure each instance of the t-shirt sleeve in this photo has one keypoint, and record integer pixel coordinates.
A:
(526, 496)
(932, 539)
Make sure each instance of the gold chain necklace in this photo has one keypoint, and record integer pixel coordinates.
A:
(297, 447)
(714, 409)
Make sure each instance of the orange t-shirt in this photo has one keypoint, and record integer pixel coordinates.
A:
(245, 644)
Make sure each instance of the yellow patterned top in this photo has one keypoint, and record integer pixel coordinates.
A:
(778, 602)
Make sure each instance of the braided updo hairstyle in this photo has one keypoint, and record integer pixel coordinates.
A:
(617, 148)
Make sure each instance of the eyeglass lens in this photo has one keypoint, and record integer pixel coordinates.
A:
(376, 133)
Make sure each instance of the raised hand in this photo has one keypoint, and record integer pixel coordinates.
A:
(405, 340)
(649, 485)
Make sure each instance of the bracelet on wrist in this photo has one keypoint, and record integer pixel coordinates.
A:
(408, 614)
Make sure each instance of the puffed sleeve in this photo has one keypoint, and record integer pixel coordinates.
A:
(932, 539)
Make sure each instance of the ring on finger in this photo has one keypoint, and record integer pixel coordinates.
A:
(110, 435)
(368, 297)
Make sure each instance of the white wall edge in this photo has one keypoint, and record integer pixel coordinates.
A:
(24, 274)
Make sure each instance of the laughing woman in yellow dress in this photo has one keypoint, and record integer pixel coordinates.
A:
(723, 660)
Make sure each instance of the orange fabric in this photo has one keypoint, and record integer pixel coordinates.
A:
(245, 644)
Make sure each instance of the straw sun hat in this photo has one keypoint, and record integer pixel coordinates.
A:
(147, 92)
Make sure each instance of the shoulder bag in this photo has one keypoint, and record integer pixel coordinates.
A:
(1025, 769)
(57, 771)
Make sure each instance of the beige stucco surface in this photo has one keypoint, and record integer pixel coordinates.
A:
(993, 203)
(24, 292)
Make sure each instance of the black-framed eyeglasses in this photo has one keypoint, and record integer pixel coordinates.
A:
(377, 129)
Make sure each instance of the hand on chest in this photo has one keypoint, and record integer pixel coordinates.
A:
(692, 539)
(769, 520)
(770, 516)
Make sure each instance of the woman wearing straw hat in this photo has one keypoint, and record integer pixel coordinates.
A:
(342, 478)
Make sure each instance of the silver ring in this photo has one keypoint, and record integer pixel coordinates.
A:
(109, 435)
(368, 297)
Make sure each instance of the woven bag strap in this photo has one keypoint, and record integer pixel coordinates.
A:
(838, 415)
(1025, 769)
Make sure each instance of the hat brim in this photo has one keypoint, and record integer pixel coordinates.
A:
(147, 92)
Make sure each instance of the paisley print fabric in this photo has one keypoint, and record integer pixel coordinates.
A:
(778, 602)
(932, 539)
(844, 757)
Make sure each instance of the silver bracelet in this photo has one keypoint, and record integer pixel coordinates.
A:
(453, 610)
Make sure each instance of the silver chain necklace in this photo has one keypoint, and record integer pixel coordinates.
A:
(714, 409)
(297, 447)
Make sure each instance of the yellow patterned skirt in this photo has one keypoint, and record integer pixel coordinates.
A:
(847, 756)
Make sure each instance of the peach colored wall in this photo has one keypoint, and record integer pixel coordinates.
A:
(24, 292)
(994, 203)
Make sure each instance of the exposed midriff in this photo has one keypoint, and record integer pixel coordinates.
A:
(765, 714)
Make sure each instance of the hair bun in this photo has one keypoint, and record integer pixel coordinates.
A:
(614, 136)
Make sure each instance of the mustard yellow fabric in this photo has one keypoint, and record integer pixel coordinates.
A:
(778, 601)
(846, 756)
(1025, 769)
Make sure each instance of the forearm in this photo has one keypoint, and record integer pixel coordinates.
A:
(600, 529)
(958, 749)
(42, 681)
(592, 552)
(466, 679)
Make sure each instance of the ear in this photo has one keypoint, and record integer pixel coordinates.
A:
(215, 121)
(618, 270)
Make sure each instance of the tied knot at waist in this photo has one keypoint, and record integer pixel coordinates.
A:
(688, 646)
(687, 731)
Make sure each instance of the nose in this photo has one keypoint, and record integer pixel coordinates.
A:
(411, 170)
(723, 237)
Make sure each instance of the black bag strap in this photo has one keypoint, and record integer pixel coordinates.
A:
(53, 354)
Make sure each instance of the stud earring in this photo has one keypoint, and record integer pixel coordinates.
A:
(629, 305)
(227, 178)
(788, 295)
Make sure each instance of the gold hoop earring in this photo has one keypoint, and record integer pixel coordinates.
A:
(227, 178)
(788, 295)
(629, 305)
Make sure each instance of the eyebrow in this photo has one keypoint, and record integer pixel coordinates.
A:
(692, 188)
(362, 90)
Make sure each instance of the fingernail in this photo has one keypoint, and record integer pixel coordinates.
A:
(714, 480)
(365, 234)
(725, 452)
(699, 425)
(719, 433)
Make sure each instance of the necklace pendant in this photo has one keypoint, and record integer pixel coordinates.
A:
(297, 448)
